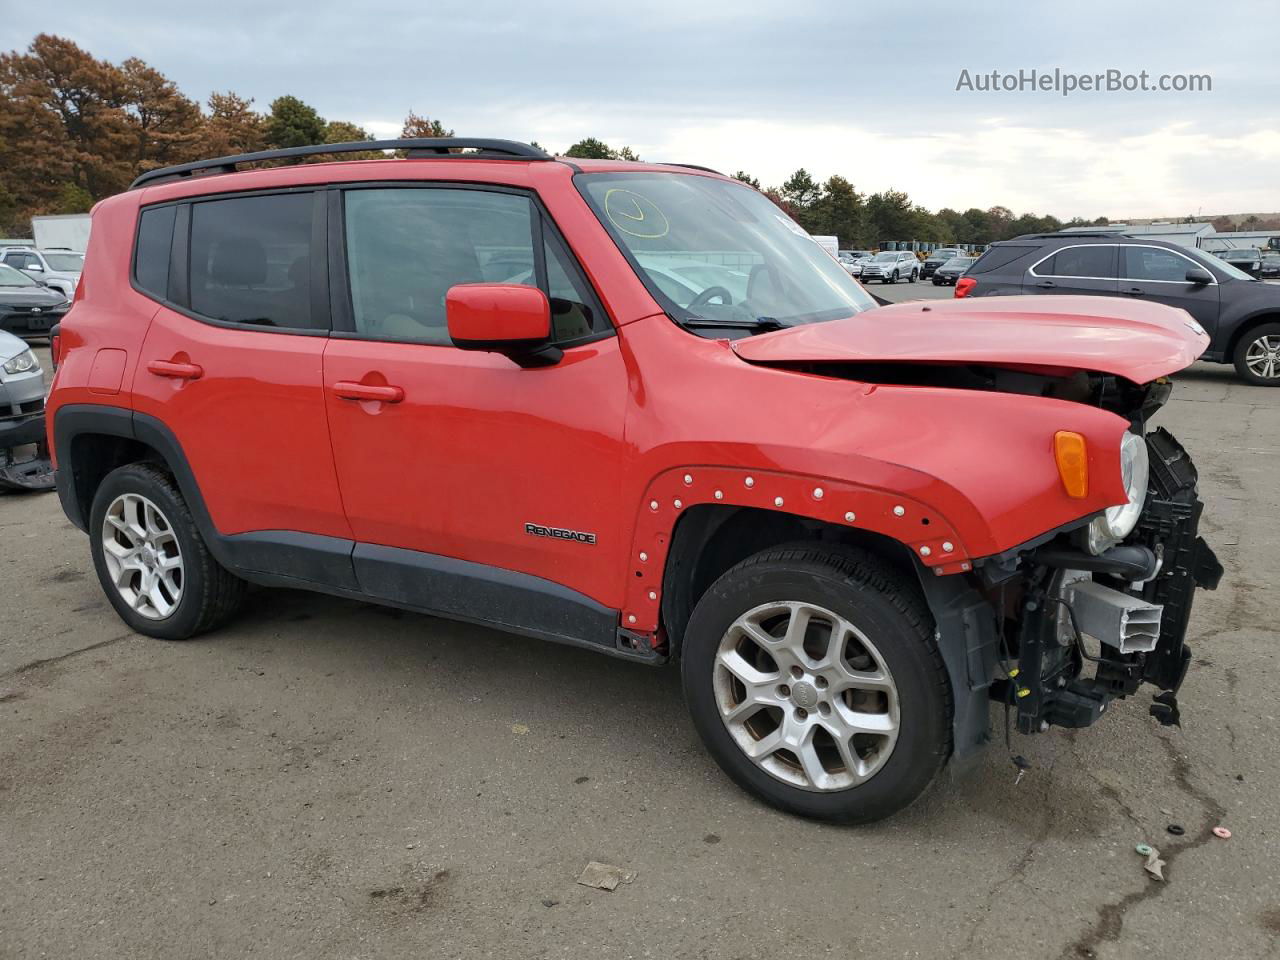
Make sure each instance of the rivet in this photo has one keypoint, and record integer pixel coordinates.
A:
(964, 566)
(643, 556)
(777, 501)
(899, 510)
(817, 493)
(631, 619)
(653, 595)
(719, 494)
(678, 504)
(750, 481)
(653, 504)
(688, 479)
(925, 551)
(850, 517)
(947, 546)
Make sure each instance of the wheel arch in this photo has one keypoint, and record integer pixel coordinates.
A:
(1246, 326)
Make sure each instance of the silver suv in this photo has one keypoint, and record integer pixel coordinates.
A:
(59, 269)
(890, 266)
(24, 453)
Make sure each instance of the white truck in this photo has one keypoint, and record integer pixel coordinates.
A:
(61, 232)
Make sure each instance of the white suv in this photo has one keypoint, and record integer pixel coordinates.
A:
(59, 269)
(889, 266)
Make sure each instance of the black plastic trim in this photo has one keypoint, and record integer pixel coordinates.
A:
(433, 146)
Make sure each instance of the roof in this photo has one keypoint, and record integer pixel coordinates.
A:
(1145, 229)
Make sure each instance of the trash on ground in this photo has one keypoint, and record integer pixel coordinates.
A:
(1154, 865)
(605, 876)
(1176, 829)
(1222, 833)
(519, 729)
(1143, 849)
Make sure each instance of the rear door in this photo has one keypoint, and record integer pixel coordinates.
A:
(1156, 273)
(231, 367)
(515, 472)
(1084, 269)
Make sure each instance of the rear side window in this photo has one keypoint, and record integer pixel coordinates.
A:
(996, 257)
(151, 257)
(251, 260)
(1095, 263)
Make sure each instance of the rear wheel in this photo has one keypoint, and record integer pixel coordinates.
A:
(813, 677)
(1257, 356)
(912, 278)
(151, 560)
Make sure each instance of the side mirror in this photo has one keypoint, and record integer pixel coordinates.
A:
(1199, 276)
(507, 318)
(34, 268)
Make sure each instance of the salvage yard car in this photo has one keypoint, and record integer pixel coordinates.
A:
(854, 528)
(28, 307)
(952, 270)
(889, 266)
(1240, 313)
(24, 454)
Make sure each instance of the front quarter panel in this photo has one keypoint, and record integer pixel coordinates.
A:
(929, 467)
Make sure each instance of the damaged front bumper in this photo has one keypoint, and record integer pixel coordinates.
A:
(1092, 629)
(24, 454)
(1055, 633)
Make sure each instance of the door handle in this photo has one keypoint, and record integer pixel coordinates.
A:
(175, 371)
(1046, 284)
(350, 390)
(1134, 291)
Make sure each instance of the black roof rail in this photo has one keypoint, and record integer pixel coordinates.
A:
(1065, 233)
(691, 166)
(416, 147)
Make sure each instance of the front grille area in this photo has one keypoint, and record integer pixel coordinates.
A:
(12, 411)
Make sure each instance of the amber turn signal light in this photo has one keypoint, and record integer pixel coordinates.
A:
(1072, 454)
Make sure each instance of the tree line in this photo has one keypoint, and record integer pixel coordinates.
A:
(75, 129)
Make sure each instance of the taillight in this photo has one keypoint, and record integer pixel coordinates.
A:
(55, 345)
(964, 286)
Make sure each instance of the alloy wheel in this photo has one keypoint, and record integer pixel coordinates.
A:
(1263, 357)
(144, 561)
(806, 696)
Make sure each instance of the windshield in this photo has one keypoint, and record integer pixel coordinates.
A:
(961, 262)
(719, 251)
(1209, 260)
(944, 254)
(10, 277)
(888, 257)
(65, 262)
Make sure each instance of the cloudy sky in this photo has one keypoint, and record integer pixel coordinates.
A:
(866, 90)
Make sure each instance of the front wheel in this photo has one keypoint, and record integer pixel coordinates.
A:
(894, 278)
(151, 560)
(1257, 356)
(813, 677)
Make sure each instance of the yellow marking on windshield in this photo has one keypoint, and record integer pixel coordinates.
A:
(648, 225)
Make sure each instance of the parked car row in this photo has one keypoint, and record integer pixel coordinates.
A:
(57, 269)
(1240, 313)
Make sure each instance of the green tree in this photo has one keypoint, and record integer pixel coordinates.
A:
(891, 215)
(293, 123)
(590, 149)
(747, 178)
(73, 198)
(839, 211)
(801, 191)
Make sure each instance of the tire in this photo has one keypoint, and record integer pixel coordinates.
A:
(1262, 342)
(914, 276)
(894, 279)
(198, 592)
(837, 585)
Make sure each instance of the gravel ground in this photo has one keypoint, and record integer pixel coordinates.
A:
(325, 779)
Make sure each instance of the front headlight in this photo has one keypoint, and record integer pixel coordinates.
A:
(25, 362)
(1118, 522)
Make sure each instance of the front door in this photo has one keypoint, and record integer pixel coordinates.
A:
(1155, 273)
(468, 480)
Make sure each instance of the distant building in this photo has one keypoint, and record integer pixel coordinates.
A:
(1242, 239)
(1186, 234)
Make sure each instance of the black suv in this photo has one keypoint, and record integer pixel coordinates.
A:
(1240, 313)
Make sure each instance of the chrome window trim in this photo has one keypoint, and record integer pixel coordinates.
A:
(1066, 276)
(1147, 246)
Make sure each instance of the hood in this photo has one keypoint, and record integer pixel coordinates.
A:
(1137, 340)
(10, 346)
(31, 296)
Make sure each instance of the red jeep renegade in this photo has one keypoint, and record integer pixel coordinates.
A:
(634, 408)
